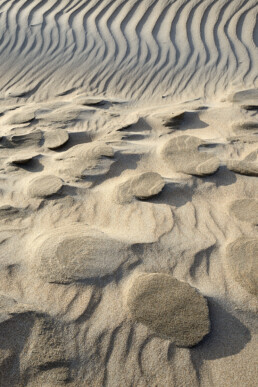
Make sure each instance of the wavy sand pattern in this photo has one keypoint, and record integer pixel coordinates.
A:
(128, 193)
(130, 48)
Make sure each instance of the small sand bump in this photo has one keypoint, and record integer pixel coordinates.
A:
(245, 210)
(20, 117)
(182, 154)
(143, 186)
(86, 160)
(60, 115)
(44, 186)
(171, 308)
(243, 264)
(78, 253)
(90, 101)
(56, 138)
(243, 167)
(244, 96)
(23, 140)
(22, 158)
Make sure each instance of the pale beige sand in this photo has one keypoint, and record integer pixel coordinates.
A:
(128, 193)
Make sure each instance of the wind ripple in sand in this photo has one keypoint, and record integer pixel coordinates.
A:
(182, 46)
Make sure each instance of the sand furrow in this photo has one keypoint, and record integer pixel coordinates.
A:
(92, 37)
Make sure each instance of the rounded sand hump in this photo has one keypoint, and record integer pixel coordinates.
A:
(171, 308)
(56, 138)
(183, 155)
(243, 264)
(44, 186)
(142, 186)
(76, 253)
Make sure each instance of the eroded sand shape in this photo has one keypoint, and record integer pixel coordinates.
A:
(182, 154)
(245, 96)
(170, 308)
(90, 101)
(86, 160)
(56, 138)
(243, 167)
(26, 140)
(22, 157)
(245, 210)
(20, 117)
(76, 253)
(44, 186)
(142, 186)
(243, 264)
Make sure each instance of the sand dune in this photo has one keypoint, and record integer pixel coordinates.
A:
(128, 193)
(131, 49)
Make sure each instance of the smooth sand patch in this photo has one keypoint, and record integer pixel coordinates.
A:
(170, 308)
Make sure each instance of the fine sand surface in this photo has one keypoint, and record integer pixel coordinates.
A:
(128, 193)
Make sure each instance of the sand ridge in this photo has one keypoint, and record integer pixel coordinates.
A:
(208, 45)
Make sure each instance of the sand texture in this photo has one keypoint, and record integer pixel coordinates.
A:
(171, 308)
(128, 193)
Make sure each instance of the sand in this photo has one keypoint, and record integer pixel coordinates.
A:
(172, 309)
(128, 193)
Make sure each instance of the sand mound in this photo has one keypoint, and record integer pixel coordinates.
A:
(243, 167)
(44, 186)
(59, 116)
(22, 157)
(242, 262)
(86, 160)
(56, 138)
(77, 253)
(170, 308)
(23, 140)
(20, 117)
(245, 96)
(82, 100)
(248, 166)
(182, 154)
(245, 210)
(142, 186)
